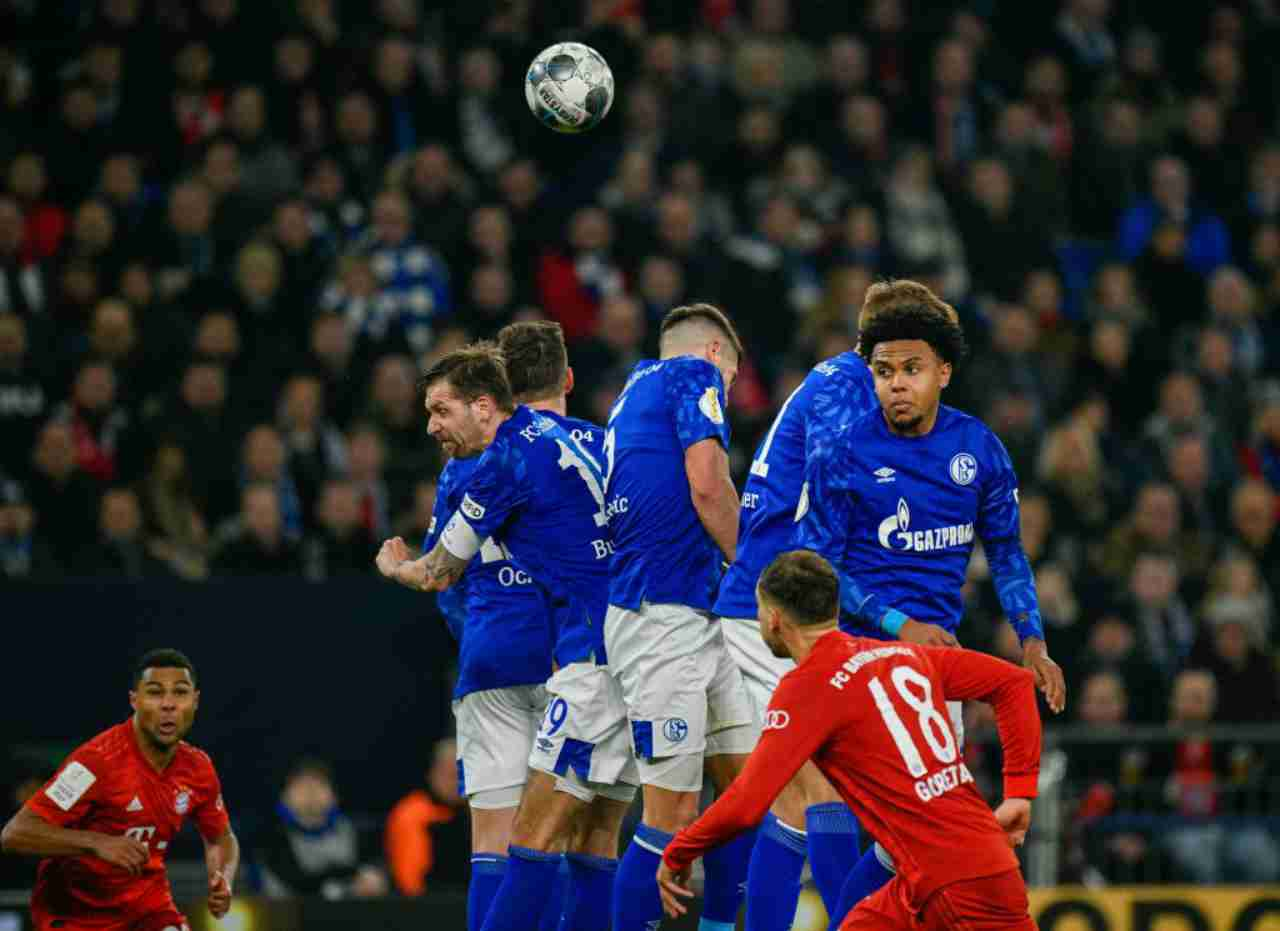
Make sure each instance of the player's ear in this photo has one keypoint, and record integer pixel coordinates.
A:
(133, 699)
(944, 374)
(568, 381)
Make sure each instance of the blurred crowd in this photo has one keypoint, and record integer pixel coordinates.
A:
(231, 235)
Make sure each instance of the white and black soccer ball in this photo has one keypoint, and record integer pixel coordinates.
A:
(569, 87)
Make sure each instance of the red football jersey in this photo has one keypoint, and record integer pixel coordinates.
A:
(108, 786)
(872, 715)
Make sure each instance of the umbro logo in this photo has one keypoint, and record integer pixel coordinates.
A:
(884, 474)
(135, 805)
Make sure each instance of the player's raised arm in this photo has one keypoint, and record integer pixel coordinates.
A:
(999, 528)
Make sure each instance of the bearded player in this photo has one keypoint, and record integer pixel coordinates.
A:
(872, 716)
(104, 823)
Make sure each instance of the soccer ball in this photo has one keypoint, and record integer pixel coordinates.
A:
(569, 87)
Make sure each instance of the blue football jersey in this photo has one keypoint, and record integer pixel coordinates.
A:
(500, 617)
(662, 553)
(834, 394)
(539, 494)
(898, 516)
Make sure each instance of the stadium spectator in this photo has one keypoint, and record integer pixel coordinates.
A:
(24, 398)
(121, 549)
(255, 543)
(919, 225)
(1208, 243)
(395, 408)
(1199, 787)
(1155, 524)
(312, 848)
(414, 523)
(100, 426)
(575, 280)
(178, 530)
(315, 448)
(368, 457)
(1163, 619)
(427, 836)
(340, 545)
(1115, 646)
(23, 554)
(60, 491)
(24, 283)
(1254, 525)
(264, 459)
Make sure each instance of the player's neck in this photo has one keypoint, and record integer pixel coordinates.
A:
(557, 405)
(923, 428)
(801, 640)
(491, 431)
(158, 757)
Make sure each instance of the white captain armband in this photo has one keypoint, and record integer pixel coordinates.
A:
(459, 539)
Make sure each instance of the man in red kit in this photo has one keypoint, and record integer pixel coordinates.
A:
(872, 715)
(104, 822)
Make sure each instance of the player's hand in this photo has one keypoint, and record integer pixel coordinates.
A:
(673, 887)
(393, 552)
(930, 635)
(219, 894)
(128, 853)
(1014, 815)
(1049, 677)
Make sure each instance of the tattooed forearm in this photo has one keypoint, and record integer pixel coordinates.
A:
(438, 570)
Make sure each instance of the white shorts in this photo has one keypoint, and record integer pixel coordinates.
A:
(496, 728)
(584, 729)
(761, 670)
(683, 692)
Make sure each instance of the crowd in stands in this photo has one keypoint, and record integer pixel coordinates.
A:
(232, 233)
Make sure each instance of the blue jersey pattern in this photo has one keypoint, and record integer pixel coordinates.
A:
(501, 619)
(662, 553)
(539, 493)
(898, 517)
(834, 394)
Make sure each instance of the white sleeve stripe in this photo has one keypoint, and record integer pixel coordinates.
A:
(459, 539)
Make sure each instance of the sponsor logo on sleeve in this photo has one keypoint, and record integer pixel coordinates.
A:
(471, 509)
(776, 720)
(709, 404)
(71, 785)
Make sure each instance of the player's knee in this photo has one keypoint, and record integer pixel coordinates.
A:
(790, 805)
(669, 811)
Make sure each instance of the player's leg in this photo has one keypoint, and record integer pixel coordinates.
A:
(733, 729)
(583, 741)
(885, 910)
(991, 903)
(876, 867)
(593, 860)
(653, 653)
(495, 729)
(778, 853)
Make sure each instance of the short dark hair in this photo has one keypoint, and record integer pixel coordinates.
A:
(537, 359)
(162, 658)
(473, 371)
(914, 321)
(707, 313)
(309, 766)
(804, 585)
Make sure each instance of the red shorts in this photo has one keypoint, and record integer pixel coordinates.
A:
(992, 903)
(168, 920)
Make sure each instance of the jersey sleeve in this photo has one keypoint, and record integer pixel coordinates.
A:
(800, 719)
(440, 511)
(1011, 691)
(68, 797)
(695, 397)
(498, 489)
(823, 518)
(999, 528)
(210, 816)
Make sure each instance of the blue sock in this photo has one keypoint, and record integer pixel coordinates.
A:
(868, 876)
(487, 870)
(556, 898)
(589, 900)
(773, 879)
(726, 883)
(636, 902)
(833, 848)
(530, 874)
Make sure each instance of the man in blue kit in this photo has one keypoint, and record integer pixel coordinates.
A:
(808, 818)
(536, 491)
(896, 499)
(673, 514)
